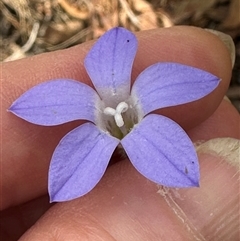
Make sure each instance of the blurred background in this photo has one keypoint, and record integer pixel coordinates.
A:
(30, 27)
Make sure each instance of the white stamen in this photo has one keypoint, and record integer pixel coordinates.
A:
(121, 108)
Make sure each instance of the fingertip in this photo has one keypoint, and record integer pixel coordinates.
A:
(186, 45)
(190, 46)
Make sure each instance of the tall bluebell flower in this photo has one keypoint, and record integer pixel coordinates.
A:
(118, 114)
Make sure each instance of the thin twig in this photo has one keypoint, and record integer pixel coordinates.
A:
(130, 13)
(70, 41)
(20, 52)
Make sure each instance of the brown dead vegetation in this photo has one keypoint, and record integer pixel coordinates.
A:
(30, 27)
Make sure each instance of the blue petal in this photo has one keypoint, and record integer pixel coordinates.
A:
(169, 84)
(161, 151)
(109, 62)
(79, 162)
(55, 102)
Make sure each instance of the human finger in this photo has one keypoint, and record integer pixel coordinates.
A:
(126, 206)
(27, 149)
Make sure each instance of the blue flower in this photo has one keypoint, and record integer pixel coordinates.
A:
(118, 114)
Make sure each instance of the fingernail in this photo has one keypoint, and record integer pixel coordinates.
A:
(227, 40)
(211, 211)
(227, 148)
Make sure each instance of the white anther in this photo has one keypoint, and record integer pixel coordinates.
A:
(109, 111)
(121, 108)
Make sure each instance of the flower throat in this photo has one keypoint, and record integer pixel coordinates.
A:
(121, 121)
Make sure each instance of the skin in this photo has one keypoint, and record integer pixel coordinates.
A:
(124, 205)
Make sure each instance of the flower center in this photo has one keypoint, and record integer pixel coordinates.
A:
(117, 113)
(120, 120)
